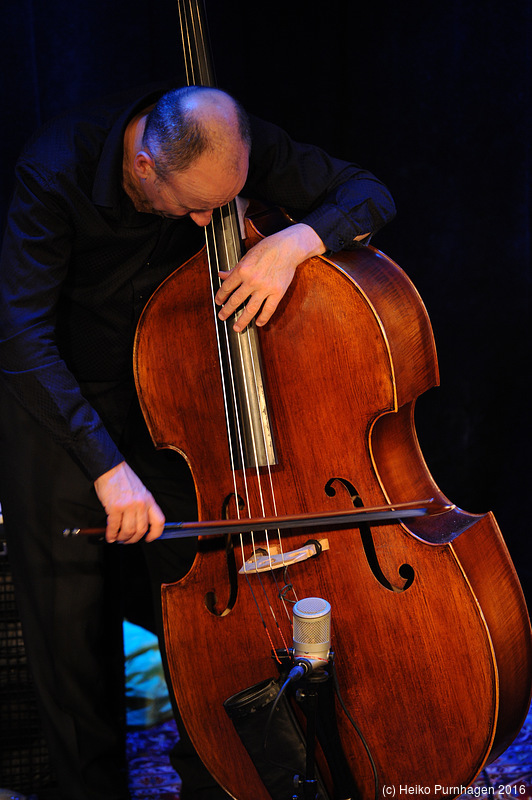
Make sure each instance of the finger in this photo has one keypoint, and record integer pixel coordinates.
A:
(235, 294)
(234, 302)
(267, 310)
(139, 525)
(113, 526)
(134, 523)
(129, 531)
(156, 522)
(249, 312)
(230, 283)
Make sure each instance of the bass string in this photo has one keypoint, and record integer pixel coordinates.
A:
(213, 259)
(280, 591)
(211, 246)
(193, 40)
(230, 394)
(187, 44)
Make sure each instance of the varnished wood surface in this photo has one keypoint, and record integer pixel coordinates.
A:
(436, 676)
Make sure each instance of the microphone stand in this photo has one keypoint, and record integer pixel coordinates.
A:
(307, 696)
(316, 697)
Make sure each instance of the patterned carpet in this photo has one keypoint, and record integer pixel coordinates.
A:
(152, 734)
(152, 778)
(510, 776)
(150, 775)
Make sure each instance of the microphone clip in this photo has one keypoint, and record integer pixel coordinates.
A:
(315, 669)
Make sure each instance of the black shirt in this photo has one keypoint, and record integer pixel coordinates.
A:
(79, 262)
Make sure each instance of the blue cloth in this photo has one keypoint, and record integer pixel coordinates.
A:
(147, 700)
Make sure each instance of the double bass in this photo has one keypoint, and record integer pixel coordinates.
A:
(314, 414)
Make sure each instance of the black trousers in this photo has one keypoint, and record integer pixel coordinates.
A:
(71, 594)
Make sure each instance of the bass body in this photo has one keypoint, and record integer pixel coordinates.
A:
(430, 630)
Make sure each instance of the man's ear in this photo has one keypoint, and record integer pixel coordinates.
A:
(143, 164)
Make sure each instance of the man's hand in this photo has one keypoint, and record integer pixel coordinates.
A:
(131, 509)
(262, 276)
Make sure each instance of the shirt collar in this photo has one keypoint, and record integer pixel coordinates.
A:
(107, 188)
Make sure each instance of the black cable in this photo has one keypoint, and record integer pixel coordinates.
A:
(291, 677)
(358, 731)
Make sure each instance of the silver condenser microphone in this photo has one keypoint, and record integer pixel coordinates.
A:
(312, 634)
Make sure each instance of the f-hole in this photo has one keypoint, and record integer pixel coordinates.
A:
(405, 571)
(210, 599)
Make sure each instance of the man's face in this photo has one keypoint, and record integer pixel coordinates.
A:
(197, 191)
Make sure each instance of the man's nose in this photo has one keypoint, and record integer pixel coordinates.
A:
(201, 218)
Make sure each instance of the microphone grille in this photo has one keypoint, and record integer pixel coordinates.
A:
(312, 607)
(312, 622)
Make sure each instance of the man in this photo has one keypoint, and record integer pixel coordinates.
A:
(107, 203)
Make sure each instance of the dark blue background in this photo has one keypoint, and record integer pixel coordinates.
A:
(435, 99)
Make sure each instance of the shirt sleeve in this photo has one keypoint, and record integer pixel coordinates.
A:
(338, 199)
(33, 266)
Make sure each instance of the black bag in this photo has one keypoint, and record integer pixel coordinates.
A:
(285, 753)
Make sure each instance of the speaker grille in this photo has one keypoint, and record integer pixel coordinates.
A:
(24, 761)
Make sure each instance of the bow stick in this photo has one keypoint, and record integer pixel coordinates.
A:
(362, 516)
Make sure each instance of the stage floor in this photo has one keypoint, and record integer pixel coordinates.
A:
(152, 777)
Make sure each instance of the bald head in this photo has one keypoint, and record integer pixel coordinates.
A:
(189, 122)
